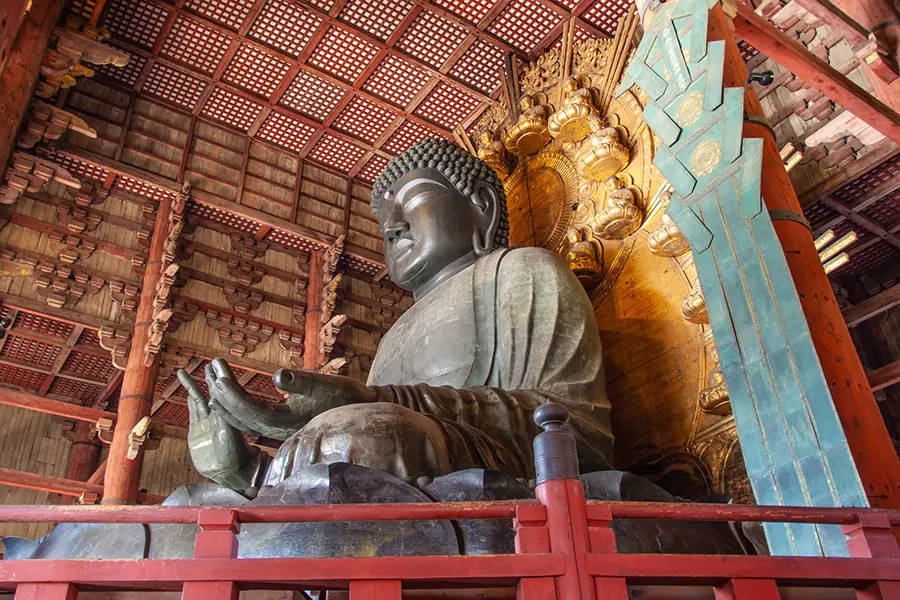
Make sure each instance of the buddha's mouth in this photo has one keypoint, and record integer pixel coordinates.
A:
(403, 244)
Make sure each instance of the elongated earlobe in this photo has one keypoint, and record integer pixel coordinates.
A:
(487, 218)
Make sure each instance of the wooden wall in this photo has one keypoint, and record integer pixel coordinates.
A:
(32, 442)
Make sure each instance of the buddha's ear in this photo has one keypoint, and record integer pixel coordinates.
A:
(487, 217)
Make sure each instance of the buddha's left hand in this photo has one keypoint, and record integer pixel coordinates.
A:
(311, 394)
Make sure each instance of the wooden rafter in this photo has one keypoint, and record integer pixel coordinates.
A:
(885, 377)
(59, 485)
(872, 307)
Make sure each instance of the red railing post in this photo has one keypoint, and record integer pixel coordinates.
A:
(532, 536)
(871, 537)
(748, 589)
(217, 538)
(376, 589)
(46, 591)
(561, 493)
(603, 541)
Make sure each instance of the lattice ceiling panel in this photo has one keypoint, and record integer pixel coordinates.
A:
(231, 109)
(289, 240)
(524, 23)
(233, 221)
(79, 168)
(43, 325)
(447, 106)
(29, 351)
(19, 377)
(376, 17)
(432, 39)
(129, 184)
(195, 45)
(286, 131)
(256, 71)
(373, 169)
(312, 96)
(82, 391)
(396, 81)
(284, 26)
(336, 153)
(175, 86)
(83, 364)
(230, 13)
(406, 135)
(852, 192)
(137, 21)
(481, 66)
(605, 15)
(172, 412)
(471, 10)
(364, 120)
(343, 54)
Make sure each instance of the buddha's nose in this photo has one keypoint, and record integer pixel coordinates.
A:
(394, 230)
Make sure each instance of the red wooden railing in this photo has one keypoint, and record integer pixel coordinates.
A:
(565, 550)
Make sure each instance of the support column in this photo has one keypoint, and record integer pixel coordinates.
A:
(18, 78)
(792, 372)
(82, 457)
(123, 475)
(868, 438)
(312, 358)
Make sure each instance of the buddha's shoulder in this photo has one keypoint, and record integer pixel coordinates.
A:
(532, 260)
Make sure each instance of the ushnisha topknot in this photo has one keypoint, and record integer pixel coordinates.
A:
(456, 164)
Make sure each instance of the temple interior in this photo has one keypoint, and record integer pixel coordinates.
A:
(187, 180)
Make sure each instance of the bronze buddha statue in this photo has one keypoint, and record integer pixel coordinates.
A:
(493, 334)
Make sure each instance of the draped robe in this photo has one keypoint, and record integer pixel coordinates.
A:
(477, 355)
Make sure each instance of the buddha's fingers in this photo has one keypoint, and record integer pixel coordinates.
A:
(277, 421)
(326, 391)
(198, 404)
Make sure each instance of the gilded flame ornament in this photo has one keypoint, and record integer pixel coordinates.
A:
(668, 239)
(621, 216)
(492, 151)
(583, 257)
(602, 154)
(529, 134)
(714, 398)
(693, 308)
(570, 122)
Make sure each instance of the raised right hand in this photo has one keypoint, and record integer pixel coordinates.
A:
(218, 450)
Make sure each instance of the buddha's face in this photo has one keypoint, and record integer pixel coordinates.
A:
(526, 102)
(428, 224)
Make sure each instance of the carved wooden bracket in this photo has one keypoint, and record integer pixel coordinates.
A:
(248, 247)
(245, 273)
(384, 317)
(386, 293)
(172, 360)
(118, 342)
(333, 366)
(66, 55)
(299, 314)
(126, 295)
(138, 264)
(329, 333)
(76, 219)
(28, 173)
(331, 257)
(70, 247)
(293, 342)
(47, 122)
(243, 300)
(59, 285)
(144, 234)
(238, 335)
(329, 296)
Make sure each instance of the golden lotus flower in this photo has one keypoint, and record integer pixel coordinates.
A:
(570, 122)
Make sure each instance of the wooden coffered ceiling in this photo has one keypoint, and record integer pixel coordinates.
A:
(345, 83)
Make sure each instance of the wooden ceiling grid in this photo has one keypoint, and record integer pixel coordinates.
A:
(299, 74)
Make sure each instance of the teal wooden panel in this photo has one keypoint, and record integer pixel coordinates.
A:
(793, 445)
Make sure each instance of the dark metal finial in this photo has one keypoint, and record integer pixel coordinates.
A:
(555, 455)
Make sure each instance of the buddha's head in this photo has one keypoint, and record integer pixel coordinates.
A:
(438, 206)
(570, 85)
(613, 183)
(526, 102)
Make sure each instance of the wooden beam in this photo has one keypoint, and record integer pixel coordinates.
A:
(58, 485)
(771, 41)
(213, 201)
(862, 221)
(61, 358)
(59, 314)
(76, 412)
(20, 75)
(863, 165)
(885, 377)
(872, 307)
